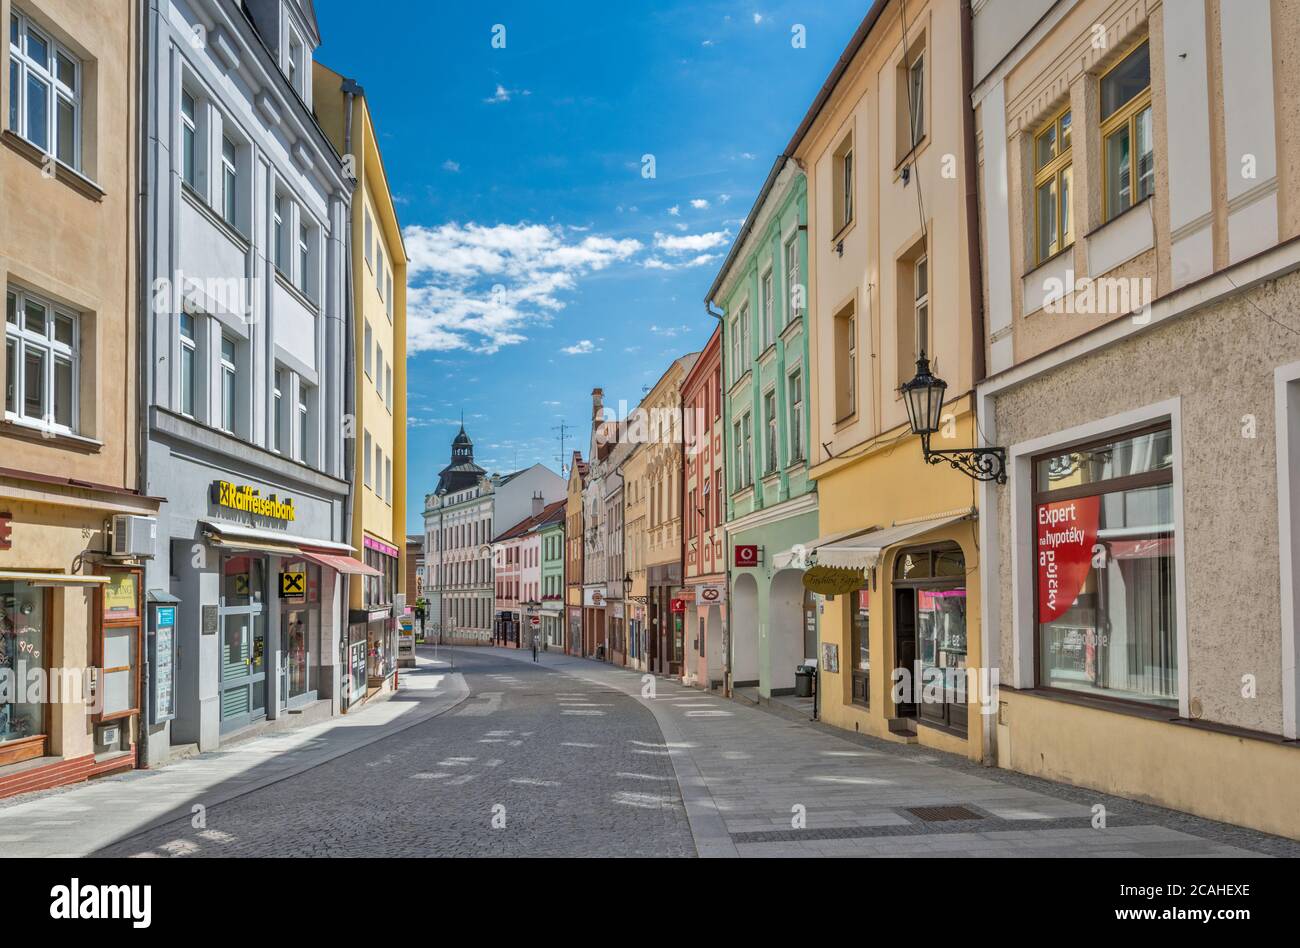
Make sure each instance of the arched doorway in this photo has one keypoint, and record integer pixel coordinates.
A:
(786, 629)
(744, 631)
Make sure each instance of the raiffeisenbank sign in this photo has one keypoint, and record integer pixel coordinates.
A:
(246, 499)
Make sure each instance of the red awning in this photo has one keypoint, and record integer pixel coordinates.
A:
(342, 563)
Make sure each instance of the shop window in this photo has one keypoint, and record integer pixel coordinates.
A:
(1053, 176)
(1105, 570)
(930, 628)
(860, 625)
(1128, 156)
(300, 630)
(24, 637)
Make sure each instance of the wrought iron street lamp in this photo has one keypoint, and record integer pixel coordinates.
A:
(923, 395)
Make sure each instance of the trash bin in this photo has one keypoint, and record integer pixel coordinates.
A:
(803, 680)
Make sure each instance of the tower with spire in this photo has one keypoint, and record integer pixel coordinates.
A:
(462, 472)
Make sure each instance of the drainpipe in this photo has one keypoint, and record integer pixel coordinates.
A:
(726, 538)
(143, 324)
(976, 266)
(350, 90)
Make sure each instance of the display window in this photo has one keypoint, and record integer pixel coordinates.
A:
(1107, 619)
(300, 625)
(24, 647)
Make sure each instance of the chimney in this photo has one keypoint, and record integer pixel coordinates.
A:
(597, 405)
(538, 504)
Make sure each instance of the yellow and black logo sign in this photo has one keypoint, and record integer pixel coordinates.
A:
(293, 583)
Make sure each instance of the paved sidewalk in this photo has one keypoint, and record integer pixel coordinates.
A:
(745, 773)
(83, 818)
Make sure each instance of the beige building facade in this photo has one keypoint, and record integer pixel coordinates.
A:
(1140, 212)
(70, 609)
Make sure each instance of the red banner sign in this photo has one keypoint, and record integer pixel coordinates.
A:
(1067, 531)
(746, 554)
(679, 605)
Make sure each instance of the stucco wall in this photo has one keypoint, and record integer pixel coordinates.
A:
(1219, 362)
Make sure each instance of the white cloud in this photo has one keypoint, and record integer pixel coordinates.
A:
(758, 18)
(476, 287)
(687, 243)
(581, 347)
(658, 263)
(724, 198)
(699, 203)
(675, 210)
(505, 95)
(707, 43)
(450, 165)
(748, 155)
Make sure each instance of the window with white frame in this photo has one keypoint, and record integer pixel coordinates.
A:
(370, 238)
(296, 68)
(45, 88)
(369, 340)
(379, 467)
(794, 289)
(281, 224)
(379, 369)
(42, 362)
(388, 480)
(366, 462)
(277, 408)
(187, 376)
(389, 297)
(921, 305)
(189, 140)
(380, 270)
(769, 317)
(229, 182)
(229, 383)
(770, 459)
(304, 257)
(794, 387)
(304, 422)
(388, 387)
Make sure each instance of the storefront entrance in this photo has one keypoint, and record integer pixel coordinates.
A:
(243, 640)
(930, 635)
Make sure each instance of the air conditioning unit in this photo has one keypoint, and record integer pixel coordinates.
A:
(134, 536)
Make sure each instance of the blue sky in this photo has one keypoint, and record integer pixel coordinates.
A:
(544, 262)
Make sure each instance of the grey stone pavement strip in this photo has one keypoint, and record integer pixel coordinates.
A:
(743, 769)
(93, 815)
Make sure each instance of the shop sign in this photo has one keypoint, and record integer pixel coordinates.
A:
(595, 598)
(1067, 531)
(246, 499)
(120, 596)
(746, 555)
(679, 605)
(293, 583)
(710, 595)
(833, 580)
(830, 657)
(162, 662)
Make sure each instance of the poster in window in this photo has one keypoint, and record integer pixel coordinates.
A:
(120, 596)
(163, 663)
(1067, 531)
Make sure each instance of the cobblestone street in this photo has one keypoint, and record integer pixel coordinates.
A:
(502, 757)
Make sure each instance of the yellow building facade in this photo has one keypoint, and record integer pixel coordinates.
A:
(378, 277)
(897, 560)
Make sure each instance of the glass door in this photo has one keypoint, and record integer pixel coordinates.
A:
(243, 640)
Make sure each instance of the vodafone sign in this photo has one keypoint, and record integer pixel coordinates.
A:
(1067, 530)
(746, 554)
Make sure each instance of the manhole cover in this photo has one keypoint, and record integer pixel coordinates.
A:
(939, 814)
